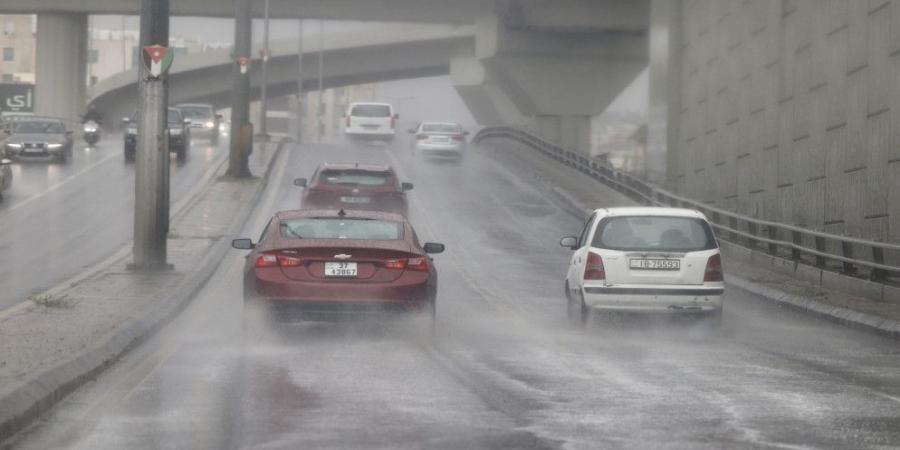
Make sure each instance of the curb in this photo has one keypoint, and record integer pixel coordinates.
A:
(847, 317)
(36, 396)
(813, 307)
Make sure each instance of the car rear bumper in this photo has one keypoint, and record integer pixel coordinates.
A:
(668, 299)
(439, 148)
(40, 154)
(375, 132)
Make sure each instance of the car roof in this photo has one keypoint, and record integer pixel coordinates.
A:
(329, 213)
(194, 104)
(371, 103)
(651, 211)
(345, 166)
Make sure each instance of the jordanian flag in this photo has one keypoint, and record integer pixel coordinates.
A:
(157, 60)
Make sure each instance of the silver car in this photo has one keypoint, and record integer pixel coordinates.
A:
(38, 137)
(439, 139)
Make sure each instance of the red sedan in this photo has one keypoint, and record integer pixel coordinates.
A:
(312, 262)
(355, 186)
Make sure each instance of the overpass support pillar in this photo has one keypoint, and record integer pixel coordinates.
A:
(61, 65)
(488, 104)
(572, 132)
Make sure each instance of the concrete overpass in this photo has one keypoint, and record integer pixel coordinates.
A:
(375, 53)
(549, 64)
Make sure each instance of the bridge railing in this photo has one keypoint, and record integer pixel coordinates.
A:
(872, 259)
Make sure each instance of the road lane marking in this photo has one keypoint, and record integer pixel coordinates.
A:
(61, 183)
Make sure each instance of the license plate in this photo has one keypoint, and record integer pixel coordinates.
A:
(654, 264)
(369, 126)
(340, 269)
(355, 200)
(33, 149)
(440, 139)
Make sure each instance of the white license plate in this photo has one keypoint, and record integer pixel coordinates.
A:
(654, 264)
(440, 139)
(355, 200)
(340, 269)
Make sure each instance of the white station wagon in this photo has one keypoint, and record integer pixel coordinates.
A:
(645, 260)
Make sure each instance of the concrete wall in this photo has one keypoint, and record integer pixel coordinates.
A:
(789, 110)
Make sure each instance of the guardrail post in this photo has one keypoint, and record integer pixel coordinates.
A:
(847, 252)
(878, 256)
(754, 229)
(773, 235)
(797, 238)
(733, 224)
(820, 246)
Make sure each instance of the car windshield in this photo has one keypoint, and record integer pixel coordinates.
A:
(440, 128)
(371, 111)
(200, 112)
(355, 177)
(37, 127)
(341, 228)
(654, 233)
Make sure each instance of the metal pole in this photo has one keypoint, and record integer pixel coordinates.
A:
(151, 206)
(320, 108)
(300, 80)
(263, 96)
(241, 129)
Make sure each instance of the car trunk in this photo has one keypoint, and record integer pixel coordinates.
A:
(671, 268)
(372, 262)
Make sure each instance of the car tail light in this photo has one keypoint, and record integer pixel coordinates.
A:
(713, 269)
(395, 264)
(457, 137)
(420, 264)
(594, 270)
(266, 260)
(269, 260)
(421, 137)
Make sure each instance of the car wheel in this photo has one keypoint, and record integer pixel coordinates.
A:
(129, 155)
(181, 153)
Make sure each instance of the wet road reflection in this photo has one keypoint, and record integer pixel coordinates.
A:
(58, 219)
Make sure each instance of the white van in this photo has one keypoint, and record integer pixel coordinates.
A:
(371, 120)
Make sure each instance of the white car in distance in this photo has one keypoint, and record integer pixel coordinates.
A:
(375, 121)
(439, 138)
(644, 260)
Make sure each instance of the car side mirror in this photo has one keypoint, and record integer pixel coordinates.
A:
(570, 242)
(300, 182)
(243, 244)
(69, 133)
(465, 133)
(411, 131)
(187, 121)
(219, 116)
(406, 186)
(396, 116)
(126, 120)
(5, 162)
(433, 247)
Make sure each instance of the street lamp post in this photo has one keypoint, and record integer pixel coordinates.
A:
(241, 129)
(151, 179)
(300, 80)
(263, 95)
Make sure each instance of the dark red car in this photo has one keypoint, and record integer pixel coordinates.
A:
(355, 186)
(328, 261)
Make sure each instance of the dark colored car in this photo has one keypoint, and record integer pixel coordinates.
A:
(179, 131)
(355, 186)
(204, 120)
(38, 137)
(313, 262)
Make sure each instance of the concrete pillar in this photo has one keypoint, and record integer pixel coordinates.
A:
(572, 132)
(665, 72)
(488, 104)
(61, 65)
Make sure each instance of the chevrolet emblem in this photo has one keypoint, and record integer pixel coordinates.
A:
(343, 256)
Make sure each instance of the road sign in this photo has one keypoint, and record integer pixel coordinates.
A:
(16, 98)
(157, 59)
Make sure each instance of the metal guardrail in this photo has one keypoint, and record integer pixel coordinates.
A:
(846, 254)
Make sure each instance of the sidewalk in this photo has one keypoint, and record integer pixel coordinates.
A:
(54, 342)
(866, 307)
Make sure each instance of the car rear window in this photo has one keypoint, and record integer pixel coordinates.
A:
(40, 128)
(355, 177)
(440, 128)
(341, 228)
(371, 111)
(201, 112)
(654, 233)
(175, 116)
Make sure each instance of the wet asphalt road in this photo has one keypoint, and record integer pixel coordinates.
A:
(58, 219)
(504, 370)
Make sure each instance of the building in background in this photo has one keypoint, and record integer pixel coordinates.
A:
(17, 49)
(335, 102)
